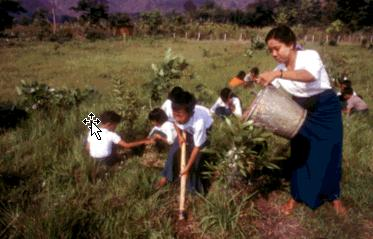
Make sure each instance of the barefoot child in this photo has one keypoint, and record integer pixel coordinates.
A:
(195, 122)
(104, 150)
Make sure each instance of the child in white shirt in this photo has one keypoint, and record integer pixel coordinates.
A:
(163, 130)
(196, 122)
(103, 150)
(227, 104)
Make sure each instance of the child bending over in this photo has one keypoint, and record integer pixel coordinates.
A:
(227, 104)
(354, 102)
(195, 122)
(163, 131)
(238, 80)
(104, 150)
(251, 77)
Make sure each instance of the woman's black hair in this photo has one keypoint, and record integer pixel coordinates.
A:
(176, 90)
(158, 115)
(110, 117)
(283, 34)
(225, 94)
(184, 100)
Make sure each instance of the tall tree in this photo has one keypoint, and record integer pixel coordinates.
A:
(120, 20)
(355, 13)
(152, 21)
(7, 8)
(92, 11)
(310, 12)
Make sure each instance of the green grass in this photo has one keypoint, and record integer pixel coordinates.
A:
(48, 185)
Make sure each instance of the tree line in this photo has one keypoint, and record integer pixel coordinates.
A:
(353, 15)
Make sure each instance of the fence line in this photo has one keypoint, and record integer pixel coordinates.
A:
(316, 37)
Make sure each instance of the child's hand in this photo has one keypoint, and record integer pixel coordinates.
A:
(184, 172)
(150, 141)
(157, 136)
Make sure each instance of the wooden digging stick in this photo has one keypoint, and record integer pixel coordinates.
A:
(183, 179)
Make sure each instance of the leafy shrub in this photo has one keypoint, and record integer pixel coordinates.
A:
(39, 96)
(249, 53)
(128, 104)
(165, 74)
(257, 43)
(206, 52)
(241, 149)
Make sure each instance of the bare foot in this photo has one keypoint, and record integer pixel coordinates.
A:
(339, 208)
(288, 207)
(161, 183)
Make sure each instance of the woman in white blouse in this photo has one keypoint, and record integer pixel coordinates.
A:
(316, 151)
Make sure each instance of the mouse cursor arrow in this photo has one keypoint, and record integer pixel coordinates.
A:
(95, 130)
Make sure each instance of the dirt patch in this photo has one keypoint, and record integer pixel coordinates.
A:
(188, 228)
(273, 224)
(368, 229)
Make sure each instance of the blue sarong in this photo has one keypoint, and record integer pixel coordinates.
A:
(316, 151)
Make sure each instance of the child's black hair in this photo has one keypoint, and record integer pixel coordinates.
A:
(158, 115)
(184, 100)
(283, 34)
(110, 117)
(225, 94)
(241, 75)
(176, 90)
(254, 71)
(347, 91)
(347, 83)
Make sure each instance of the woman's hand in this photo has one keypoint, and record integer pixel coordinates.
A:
(267, 77)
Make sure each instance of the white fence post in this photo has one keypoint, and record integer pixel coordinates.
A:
(225, 36)
(199, 36)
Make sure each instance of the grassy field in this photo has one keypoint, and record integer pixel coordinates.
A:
(49, 187)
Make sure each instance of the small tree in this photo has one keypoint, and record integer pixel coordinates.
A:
(165, 74)
(7, 8)
(334, 29)
(285, 15)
